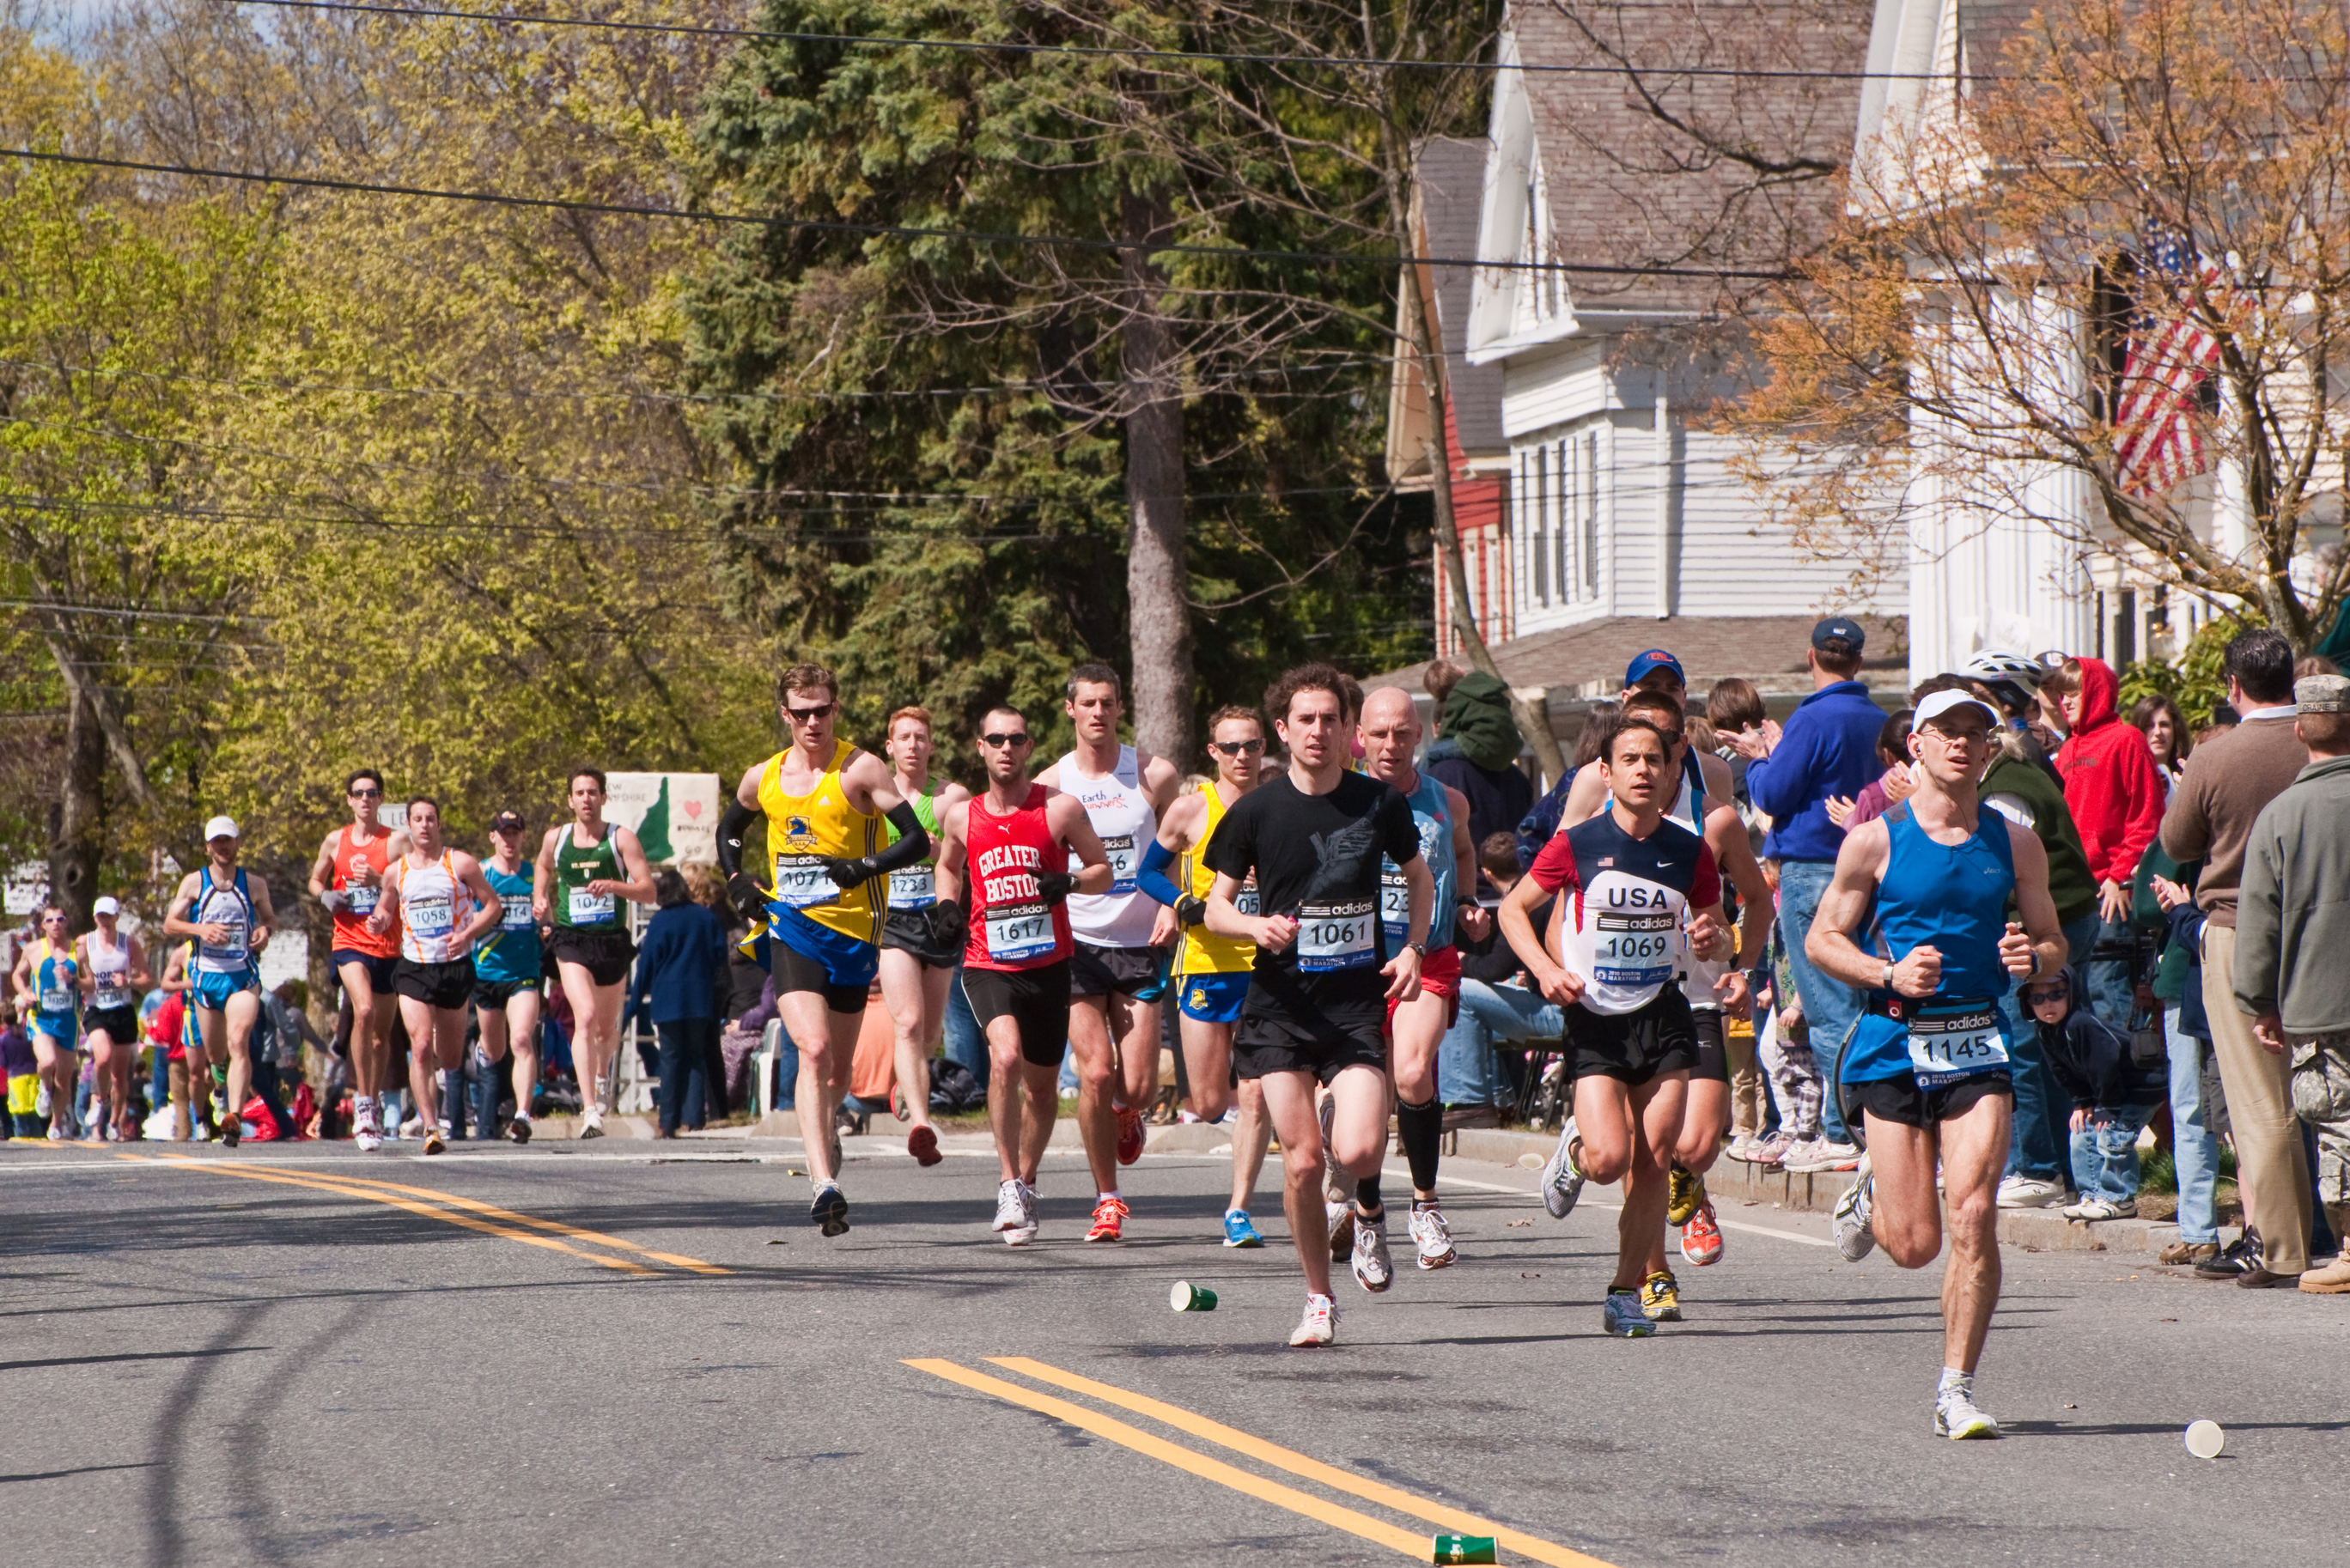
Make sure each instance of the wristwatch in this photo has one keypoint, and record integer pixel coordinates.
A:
(1419, 948)
(1888, 983)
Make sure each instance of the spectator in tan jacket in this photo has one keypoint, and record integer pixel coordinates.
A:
(2227, 782)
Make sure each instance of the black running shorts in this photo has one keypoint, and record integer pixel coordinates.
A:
(1633, 1047)
(1712, 1056)
(1901, 1100)
(1137, 972)
(377, 966)
(606, 955)
(797, 970)
(494, 995)
(434, 985)
(1037, 1000)
(121, 1024)
(928, 933)
(1262, 1045)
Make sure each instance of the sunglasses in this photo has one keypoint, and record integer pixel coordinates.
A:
(809, 715)
(367, 794)
(1237, 748)
(1019, 740)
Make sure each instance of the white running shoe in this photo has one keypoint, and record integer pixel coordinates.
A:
(1431, 1237)
(1337, 1187)
(1562, 1183)
(1020, 1235)
(43, 1101)
(1374, 1269)
(591, 1124)
(2032, 1192)
(366, 1131)
(1340, 1213)
(1956, 1419)
(1850, 1222)
(1318, 1326)
(1009, 1209)
(1821, 1154)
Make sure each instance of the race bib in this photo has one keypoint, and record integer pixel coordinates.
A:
(590, 908)
(515, 916)
(802, 882)
(1959, 1043)
(1636, 948)
(1336, 936)
(1019, 931)
(361, 900)
(109, 996)
(431, 917)
(1246, 903)
(915, 888)
(1123, 863)
(55, 998)
(231, 948)
(1394, 902)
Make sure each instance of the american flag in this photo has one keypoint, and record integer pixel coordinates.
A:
(2158, 434)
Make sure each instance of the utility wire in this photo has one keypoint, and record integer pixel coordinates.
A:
(896, 231)
(979, 47)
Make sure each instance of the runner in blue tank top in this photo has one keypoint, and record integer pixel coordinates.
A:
(1916, 920)
(508, 970)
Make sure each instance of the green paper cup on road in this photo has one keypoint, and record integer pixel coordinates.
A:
(1463, 1548)
(1187, 1297)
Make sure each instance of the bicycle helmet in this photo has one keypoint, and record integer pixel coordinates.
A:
(1993, 664)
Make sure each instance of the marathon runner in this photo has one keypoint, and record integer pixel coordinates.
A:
(226, 910)
(506, 977)
(1312, 836)
(1717, 989)
(113, 969)
(825, 800)
(1391, 735)
(1120, 970)
(1643, 889)
(47, 987)
(586, 866)
(1211, 972)
(438, 901)
(1926, 1065)
(1008, 849)
(346, 878)
(920, 940)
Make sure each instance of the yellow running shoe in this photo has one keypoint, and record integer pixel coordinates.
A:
(1684, 1194)
(1661, 1298)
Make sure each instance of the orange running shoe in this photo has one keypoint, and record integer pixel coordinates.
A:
(1109, 1215)
(1129, 1136)
(1702, 1238)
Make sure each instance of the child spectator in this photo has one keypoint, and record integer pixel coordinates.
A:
(2111, 1094)
(24, 1072)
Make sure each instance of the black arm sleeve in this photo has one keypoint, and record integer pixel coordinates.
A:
(730, 828)
(913, 840)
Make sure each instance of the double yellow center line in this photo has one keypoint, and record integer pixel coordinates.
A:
(1517, 1542)
(450, 1208)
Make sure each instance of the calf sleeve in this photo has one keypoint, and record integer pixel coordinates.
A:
(1421, 1128)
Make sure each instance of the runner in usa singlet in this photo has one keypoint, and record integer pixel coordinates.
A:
(1011, 927)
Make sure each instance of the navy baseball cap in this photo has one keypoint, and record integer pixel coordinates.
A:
(1647, 664)
(1839, 627)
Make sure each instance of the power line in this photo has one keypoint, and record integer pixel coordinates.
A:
(979, 47)
(61, 608)
(894, 231)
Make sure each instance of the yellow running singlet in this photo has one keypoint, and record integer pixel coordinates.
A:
(803, 827)
(1204, 952)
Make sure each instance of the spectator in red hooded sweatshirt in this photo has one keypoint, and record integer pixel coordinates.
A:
(2115, 796)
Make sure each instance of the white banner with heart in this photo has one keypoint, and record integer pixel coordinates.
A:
(675, 815)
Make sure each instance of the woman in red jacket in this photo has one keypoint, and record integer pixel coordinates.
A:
(2115, 796)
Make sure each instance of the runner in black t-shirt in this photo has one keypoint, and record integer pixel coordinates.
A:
(1318, 998)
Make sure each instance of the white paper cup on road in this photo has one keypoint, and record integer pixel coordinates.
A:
(2205, 1439)
(1531, 1161)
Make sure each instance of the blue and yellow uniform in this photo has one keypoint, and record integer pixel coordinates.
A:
(222, 969)
(56, 990)
(1213, 971)
(807, 911)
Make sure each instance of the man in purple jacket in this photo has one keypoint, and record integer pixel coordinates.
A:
(1828, 748)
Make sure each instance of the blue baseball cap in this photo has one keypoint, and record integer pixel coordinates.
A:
(1837, 627)
(1647, 664)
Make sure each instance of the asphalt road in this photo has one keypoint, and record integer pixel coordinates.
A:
(207, 1367)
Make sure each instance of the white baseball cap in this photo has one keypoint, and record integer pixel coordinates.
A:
(221, 827)
(1942, 703)
(106, 906)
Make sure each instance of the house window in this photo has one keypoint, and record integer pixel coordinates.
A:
(1588, 506)
(2126, 630)
(1542, 522)
(1558, 536)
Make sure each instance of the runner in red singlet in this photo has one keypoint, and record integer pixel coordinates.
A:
(349, 878)
(1008, 846)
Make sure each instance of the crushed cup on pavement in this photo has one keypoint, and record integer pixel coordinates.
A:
(1186, 1297)
(1463, 1548)
(2205, 1439)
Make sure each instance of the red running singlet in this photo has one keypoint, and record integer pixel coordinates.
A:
(1011, 927)
(352, 920)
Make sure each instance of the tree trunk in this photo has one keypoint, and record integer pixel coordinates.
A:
(1156, 580)
(80, 841)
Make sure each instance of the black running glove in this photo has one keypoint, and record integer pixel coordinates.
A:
(750, 898)
(1191, 909)
(1055, 886)
(949, 924)
(847, 873)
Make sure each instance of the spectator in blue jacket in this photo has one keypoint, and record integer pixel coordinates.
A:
(681, 984)
(1828, 748)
